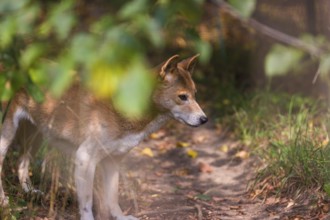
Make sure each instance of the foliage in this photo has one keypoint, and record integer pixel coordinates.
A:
(245, 8)
(281, 59)
(46, 45)
(288, 135)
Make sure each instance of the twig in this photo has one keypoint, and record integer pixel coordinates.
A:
(270, 32)
(199, 212)
(184, 208)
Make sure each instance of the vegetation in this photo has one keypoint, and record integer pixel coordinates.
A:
(111, 47)
(289, 135)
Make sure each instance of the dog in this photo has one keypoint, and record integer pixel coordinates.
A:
(101, 135)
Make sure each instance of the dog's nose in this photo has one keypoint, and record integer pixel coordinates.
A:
(203, 119)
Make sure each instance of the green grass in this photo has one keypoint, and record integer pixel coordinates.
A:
(289, 135)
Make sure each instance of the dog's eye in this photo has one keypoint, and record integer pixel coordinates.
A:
(183, 97)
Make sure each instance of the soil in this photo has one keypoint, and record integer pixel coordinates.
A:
(197, 173)
(183, 173)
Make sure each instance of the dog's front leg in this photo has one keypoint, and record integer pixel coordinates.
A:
(110, 174)
(87, 157)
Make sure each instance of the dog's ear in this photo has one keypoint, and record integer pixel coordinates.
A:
(189, 63)
(168, 65)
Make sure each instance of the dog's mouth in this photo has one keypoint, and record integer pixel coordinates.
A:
(186, 123)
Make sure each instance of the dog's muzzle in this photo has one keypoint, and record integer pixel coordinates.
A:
(203, 119)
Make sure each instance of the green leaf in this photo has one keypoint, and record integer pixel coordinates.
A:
(245, 7)
(62, 18)
(31, 54)
(35, 92)
(324, 67)
(82, 48)
(133, 8)
(7, 30)
(203, 197)
(204, 49)
(281, 59)
(8, 6)
(134, 91)
(63, 75)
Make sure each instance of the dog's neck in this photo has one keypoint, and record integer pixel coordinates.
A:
(137, 131)
(147, 125)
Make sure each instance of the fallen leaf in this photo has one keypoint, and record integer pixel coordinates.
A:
(235, 207)
(242, 154)
(192, 153)
(203, 197)
(147, 152)
(182, 144)
(291, 203)
(157, 135)
(205, 168)
(224, 148)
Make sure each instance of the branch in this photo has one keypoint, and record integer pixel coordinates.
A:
(270, 32)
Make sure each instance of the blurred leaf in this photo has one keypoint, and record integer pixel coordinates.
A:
(133, 8)
(324, 67)
(192, 153)
(104, 23)
(82, 48)
(31, 54)
(8, 6)
(6, 90)
(38, 74)
(26, 18)
(63, 76)
(104, 79)
(204, 49)
(147, 152)
(245, 8)
(62, 18)
(7, 30)
(35, 92)
(281, 59)
(135, 87)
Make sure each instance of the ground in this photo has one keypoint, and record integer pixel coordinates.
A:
(190, 173)
(198, 173)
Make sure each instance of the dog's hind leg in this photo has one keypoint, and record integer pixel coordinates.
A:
(87, 157)
(109, 194)
(28, 141)
(8, 131)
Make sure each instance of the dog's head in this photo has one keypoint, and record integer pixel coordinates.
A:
(176, 91)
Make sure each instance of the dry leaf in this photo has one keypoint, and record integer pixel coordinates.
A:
(182, 144)
(147, 152)
(242, 154)
(192, 153)
(224, 148)
(157, 135)
(291, 203)
(205, 168)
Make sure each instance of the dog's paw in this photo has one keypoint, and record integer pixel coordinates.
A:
(4, 202)
(126, 217)
(36, 192)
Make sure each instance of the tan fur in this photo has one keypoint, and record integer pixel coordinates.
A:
(100, 133)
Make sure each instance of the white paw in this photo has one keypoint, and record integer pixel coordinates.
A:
(36, 192)
(126, 217)
(4, 201)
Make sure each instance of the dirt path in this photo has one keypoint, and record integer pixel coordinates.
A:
(171, 184)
